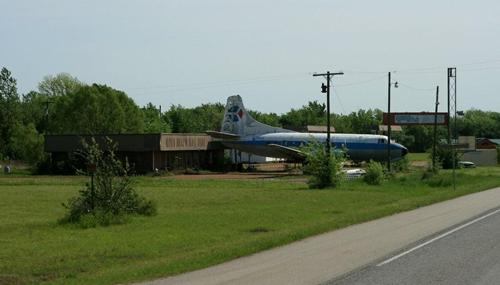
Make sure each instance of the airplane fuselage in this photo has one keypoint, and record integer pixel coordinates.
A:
(360, 147)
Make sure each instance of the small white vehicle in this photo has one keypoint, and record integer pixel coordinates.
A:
(466, 164)
(354, 173)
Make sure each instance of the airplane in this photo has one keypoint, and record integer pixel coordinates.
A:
(242, 132)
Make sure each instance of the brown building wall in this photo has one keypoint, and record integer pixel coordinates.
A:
(144, 152)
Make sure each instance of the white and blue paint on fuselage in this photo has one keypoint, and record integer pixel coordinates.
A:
(360, 147)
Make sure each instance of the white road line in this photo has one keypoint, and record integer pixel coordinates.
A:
(437, 238)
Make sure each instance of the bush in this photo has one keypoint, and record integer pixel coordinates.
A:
(445, 158)
(324, 171)
(402, 165)
(374, 173)
(111, 196)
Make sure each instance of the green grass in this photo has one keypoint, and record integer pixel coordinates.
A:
(419, 156)
(200, 223)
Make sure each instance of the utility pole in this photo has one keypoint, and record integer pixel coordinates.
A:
(326, 89)
(435, 130)
(389, 120)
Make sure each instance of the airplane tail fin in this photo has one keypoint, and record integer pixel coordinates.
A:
(238, 121)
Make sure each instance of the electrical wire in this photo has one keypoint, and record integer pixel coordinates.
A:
(222, 83)
(335, 91)
(415, 88)
(361, 82)
(253, 80)
(177, 88)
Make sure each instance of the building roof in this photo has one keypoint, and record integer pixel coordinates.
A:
(394, 128)
(486, 141)
(495, 141)
(319, 129)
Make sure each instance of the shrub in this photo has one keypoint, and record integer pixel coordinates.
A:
(374, 173)
(445, 157)
(402, 165)
(109, 197)
(325, 171)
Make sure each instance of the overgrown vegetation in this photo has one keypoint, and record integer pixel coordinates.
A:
(109, 197)
(324, 171)
(445, 158)
(401, 165)
(374, 173)
(434, 177)
(199, 223)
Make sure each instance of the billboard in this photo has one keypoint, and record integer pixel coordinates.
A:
(414, 118)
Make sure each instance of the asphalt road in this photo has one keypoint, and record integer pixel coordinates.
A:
(466, 254)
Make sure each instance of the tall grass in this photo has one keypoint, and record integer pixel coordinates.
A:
(199, 223)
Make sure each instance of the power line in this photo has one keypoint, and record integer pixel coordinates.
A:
(223, 83)
(336, 92)
(361, 82)
(416, 88)
(236, 82)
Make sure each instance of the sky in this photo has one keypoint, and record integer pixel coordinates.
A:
(192, 52)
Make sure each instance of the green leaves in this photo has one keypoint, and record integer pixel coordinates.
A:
(9, 111)
(96, 109)
(325, 171)
(109, 195)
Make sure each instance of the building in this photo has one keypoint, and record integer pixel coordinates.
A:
(319, 129)
(384, 129)
(482, 151)
(484, 143)
(144, 152)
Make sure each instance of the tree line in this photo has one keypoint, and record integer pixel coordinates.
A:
(62, 104)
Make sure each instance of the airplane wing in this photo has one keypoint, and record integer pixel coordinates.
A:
(288, 151)
(222, 135)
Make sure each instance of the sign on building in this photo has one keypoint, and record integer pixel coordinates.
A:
(413, 118)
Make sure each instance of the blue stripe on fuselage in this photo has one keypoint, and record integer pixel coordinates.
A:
(349, 145)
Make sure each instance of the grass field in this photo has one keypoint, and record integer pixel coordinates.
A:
(419, 156)
(200, 223)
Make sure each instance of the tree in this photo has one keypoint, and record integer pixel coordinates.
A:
(27, 144)
(34, 108)
(153, 122)
(365, 121)
(480, 124)
(314, 113)
(9, 110)
(96, 109)
(59, 85)
(271, 119)
(195, 120)
(341, 123)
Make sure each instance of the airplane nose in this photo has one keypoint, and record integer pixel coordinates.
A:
(404, 151)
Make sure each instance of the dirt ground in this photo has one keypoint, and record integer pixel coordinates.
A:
(255, 171)
(228, 176)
